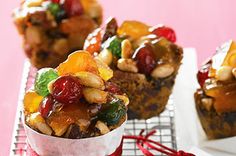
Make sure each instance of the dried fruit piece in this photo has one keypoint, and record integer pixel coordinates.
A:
(93, 42)
(46, 106)
(202, 74)
(104, 71)
(145, 59)
(43, 78)
(32, 101)
(112, 112)
(114, 45)
(133, 29)
(67, 89)
(164, 31)
(113, 88)
(73, 7)
(76, 62)
(110, 29)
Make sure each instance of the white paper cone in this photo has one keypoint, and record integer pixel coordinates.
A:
(45, 145)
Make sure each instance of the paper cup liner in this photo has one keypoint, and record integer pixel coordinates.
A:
(45, 145)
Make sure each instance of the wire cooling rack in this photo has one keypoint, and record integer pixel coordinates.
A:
(164, 124)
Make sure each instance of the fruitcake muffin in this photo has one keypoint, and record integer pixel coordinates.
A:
(74, 100)
(216, 97)
(144, 59)
(52, 29)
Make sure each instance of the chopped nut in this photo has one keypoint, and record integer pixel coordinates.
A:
(35, 120)
(90, 80)
(162, 71)
(33, 35)
(234, 72)
(102, 127)
(106, 56)
(126, 49)
(224, 73)
(123, 98)
(128, 65)
(93, 95)
(207, 103)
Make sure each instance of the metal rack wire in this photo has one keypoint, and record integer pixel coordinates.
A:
(164, 124)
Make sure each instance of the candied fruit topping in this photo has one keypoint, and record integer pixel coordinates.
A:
(46, 106)
(164, 31)
(145, 59)
(93, 42)
(73, 7)
(43, 78)
(133, 29)
(104, 70)
(76, 62)
(202, 74)
(32, 101)
(110, 29)
(67, 89)
(114, 45)
(112, 112)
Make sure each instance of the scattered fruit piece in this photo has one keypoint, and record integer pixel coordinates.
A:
(32, 101)
(133, 29)
(114, 45)
(163, 31)
(203, 72)
(43, 78)
(67, 89)
(104, 71)
(110, 29)
(145, 59)
(73, 7)
(46, 106)
(113, 88)
(93, 42)
(76, 62)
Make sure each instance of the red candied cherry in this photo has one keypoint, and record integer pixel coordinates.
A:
(67, 89)
(55, 1)
(73, 7)
(46, 106)
(203, 73)
(164, 31)
(145, 58)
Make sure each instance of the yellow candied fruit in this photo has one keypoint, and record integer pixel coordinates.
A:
(76, 62)
(133, 29)
(32, 101)
(104, 71)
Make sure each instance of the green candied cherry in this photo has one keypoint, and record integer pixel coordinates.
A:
(112, 112)
(114, 45)
(43, 78)
(57, 11)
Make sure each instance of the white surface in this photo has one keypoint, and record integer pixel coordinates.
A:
(190, 135)
(96, 146)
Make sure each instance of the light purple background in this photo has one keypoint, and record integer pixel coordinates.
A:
(203, 24)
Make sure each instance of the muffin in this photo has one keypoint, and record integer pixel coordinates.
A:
(145, 61)
(52, 29)
(215, 99)
(74, 101)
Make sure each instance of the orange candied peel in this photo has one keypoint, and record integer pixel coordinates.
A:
(32, 101)
(133, 29)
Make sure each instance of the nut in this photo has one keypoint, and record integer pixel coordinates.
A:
(126, 49)
(224, 73)
(128, 65)
(33, 35)
(106, 56)
(102, 127)
(162, 71)
(90, 80)
(93, 95)
(207, 103)
(34, 3)
(124, 98)
(37, 121)
(234, 72)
